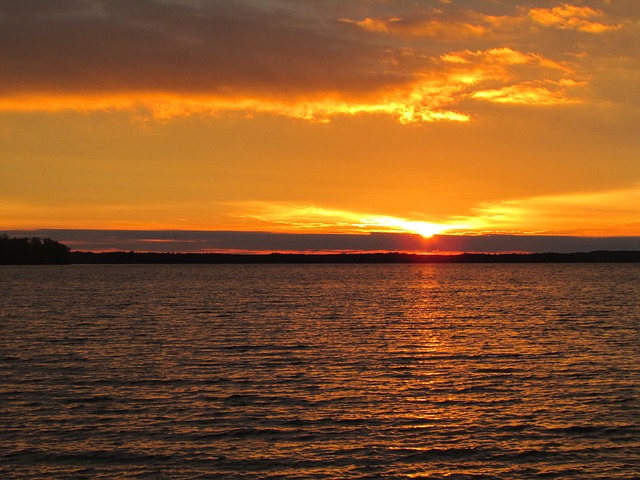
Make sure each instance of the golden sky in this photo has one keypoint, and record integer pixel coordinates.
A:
(443, 116)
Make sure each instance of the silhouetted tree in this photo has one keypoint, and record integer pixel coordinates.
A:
(32, 251)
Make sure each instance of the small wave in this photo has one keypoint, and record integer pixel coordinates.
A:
(448, 454)
(594, 430)
(88, 456)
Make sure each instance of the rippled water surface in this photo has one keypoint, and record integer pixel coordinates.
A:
(320, 371)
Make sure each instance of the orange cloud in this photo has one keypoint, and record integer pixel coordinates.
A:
(450, 24)
(523, 78)
(525, 94)
(500, 59)
(422, 103)
(606, 213)
(433, 26)
(571, 17)
(460, 23)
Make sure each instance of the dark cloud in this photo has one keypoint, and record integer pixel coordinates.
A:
(202, 241)
(216, 47)
(25, 10)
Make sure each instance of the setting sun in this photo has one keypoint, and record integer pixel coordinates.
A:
(424, 229)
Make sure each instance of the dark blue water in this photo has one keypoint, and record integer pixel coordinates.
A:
(320, 371)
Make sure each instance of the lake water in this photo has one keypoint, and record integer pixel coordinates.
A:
(320, 371)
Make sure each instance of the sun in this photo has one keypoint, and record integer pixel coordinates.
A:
(425, 229)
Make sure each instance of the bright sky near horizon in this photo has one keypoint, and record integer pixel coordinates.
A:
(449, 116)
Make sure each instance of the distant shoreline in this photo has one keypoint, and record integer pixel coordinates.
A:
(350, 258)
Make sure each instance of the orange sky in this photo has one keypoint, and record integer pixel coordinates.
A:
(455, 117)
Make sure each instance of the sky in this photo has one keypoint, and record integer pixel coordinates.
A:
(331, 124)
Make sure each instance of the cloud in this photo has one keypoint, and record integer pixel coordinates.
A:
(432, 24)
(452, 24)
(603, 213)
(525, 94)
(505, 75)
(571, 17)
(217, 48)
(175, 58)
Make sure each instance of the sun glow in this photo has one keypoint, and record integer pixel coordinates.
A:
(286, 217)
(425, 229)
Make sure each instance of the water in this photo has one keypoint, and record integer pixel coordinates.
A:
(320, 371)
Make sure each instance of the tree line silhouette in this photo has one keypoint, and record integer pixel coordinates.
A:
(32, 251)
